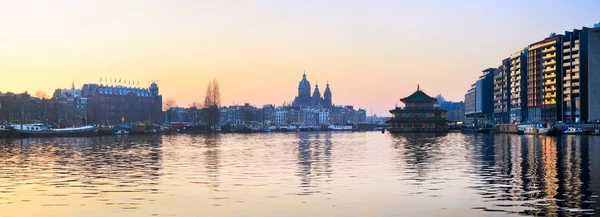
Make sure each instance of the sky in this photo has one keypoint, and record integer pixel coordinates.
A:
(372, 52)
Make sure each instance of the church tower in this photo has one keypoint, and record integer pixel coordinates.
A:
(317, 93)
(304, 88)
(327, 95)
(153, 89)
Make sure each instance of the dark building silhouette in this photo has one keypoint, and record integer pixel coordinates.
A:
(305, 99)
(120, 104)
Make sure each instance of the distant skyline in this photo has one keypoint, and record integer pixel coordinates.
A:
(372, 52)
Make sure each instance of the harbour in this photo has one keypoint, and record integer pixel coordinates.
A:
(306, 173)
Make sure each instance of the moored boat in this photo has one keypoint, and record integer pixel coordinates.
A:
(573, 131)
(333, 127)
(41, 131)
(534, 130)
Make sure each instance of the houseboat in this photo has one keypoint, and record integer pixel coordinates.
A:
(418, 115)
(42, 131)
(333, 127)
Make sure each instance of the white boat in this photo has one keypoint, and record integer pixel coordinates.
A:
(340, 127)
(287, 128)
(573, 130)
(534, 130)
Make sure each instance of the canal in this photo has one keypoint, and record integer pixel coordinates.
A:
(301, 174)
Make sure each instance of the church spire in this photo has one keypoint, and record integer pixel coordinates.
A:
(73, 84)
(418, 87)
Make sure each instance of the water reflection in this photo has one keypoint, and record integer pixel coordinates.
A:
(419, 151)
(536, 175)
(314, 161)
(55, 171)
(302, 174)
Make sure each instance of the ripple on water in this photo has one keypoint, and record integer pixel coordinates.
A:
(348, 174)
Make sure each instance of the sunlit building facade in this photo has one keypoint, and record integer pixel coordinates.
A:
(544, 80)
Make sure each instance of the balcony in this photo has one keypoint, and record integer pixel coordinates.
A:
(575, 90)
(575, 84)
(567, 92)
(575, 48)
(551, 82)
(549, 96)
(549, 102)
(548, 76)
(576, 69)
(550, 69)
(576, 62)
(549, 49)
(576, 76)
(568, 71)
(566, 43)
(574, 56)
(548, 56)
(566, 51)
(567, 64)
(550, 89)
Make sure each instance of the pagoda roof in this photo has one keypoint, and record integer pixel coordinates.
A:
(418, 96)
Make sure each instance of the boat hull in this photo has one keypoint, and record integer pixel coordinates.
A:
(57, 134)
(476, 130)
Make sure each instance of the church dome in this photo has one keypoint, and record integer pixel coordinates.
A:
(304, 84)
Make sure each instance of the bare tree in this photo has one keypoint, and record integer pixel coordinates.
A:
(40, 94)
(212, 102)
(195, 105)
(168, 104)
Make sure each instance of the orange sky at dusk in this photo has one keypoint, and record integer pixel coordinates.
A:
(372, 53)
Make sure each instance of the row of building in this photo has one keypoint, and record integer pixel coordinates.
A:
(551, 80)
(92, 104)
(275, 115)
(305, 109)
(103, 104)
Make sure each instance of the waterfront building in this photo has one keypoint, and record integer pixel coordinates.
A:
(593, 82)
(484, 102)
(22, 108)
(501, 92)
(71, 106)
(470, 99)
(544, 80)
(268, 112)
(518, 86)
(121, 104)
(419, 115)
(456, 110)
(579, 47)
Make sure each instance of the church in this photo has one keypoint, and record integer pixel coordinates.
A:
(316, 100)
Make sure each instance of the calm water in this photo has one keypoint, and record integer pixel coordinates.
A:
(301, 174)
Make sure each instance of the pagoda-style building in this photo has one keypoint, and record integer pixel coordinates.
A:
(418, 115)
